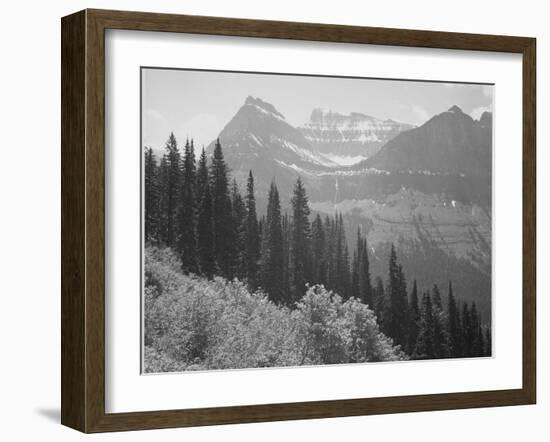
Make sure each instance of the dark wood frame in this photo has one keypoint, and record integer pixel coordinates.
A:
(83, 217)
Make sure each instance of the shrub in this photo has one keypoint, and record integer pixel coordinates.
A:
(192, 323)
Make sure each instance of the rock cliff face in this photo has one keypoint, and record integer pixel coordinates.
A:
(349, 139)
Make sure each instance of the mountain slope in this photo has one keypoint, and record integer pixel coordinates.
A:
(450, 143)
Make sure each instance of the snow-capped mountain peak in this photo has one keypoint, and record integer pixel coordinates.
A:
(349, 138)
(264, 107)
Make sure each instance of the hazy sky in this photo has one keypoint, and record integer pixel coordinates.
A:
(199, 104)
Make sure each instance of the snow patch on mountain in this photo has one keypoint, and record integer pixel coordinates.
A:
(344, 160)
(308, 155)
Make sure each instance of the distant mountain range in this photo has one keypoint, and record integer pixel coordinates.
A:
(348, 139)
(358, 156)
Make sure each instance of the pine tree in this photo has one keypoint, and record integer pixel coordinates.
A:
(205, 233)
(202, 175)
(239, 223)
(414, 320)
(440, 336)
(318, 240)
(171, 188)
(252, 235)
(272, 259)
(425, 344)
(341, 260)
(355, 291)
(163, 201)
(455, 341)
(221, 211)
(397, 296)
(186, 244)
(365, 286)
(380, 304)
(477, 333)
(301, 241)
(330, 253)
(286, 227)
(467, 334)
(151, 198)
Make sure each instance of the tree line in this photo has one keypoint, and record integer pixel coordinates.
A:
(196, 209)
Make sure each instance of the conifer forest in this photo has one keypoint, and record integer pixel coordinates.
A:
(228, 284)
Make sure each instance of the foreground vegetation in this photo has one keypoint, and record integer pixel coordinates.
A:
(192, 323)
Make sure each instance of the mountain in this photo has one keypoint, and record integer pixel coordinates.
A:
(427, 189)
(259, 130)
(259, 138)
(451, 143)
(348, 139)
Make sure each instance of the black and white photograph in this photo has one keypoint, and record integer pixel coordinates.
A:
(302, 220)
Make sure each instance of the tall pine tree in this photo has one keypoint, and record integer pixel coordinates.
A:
(414, 320)
(453, 313)
(397, 296)
(151, 197)
(441, 342)
(425, 343)
(239, 223)
(170, 187)
(300, 260)
(221, 211)
(186, 244)
(318, 253)
(272, 259)
(252, 235)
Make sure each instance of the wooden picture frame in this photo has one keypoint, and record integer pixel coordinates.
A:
(83, 220)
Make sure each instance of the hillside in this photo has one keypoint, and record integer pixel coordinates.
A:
(192, 323)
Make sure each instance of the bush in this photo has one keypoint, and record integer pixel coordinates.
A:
(192, 323)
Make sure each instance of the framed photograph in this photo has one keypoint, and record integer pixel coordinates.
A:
(266, 221)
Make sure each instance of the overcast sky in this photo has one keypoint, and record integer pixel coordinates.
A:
(199, 104)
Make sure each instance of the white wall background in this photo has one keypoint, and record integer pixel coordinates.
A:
(30, 217)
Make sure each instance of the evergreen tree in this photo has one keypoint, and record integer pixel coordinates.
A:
(286, 227)
(414, 320)
(273, 259)
(425, 344)
(478, 343)
(455, 341)
(365, 286)
(163, 201)
(467, 334)
(186, 244)
(397, 296)
(440, 336)
(330, 253)
(355, 291)
(342, 279)
(252, 235)
(318, 240)
(221, 211)
(380, 304)
(239, 223)
(170, 188)
(151, 197)
(361, 287)
(301, 241)
(205, 233)
(202, 175)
